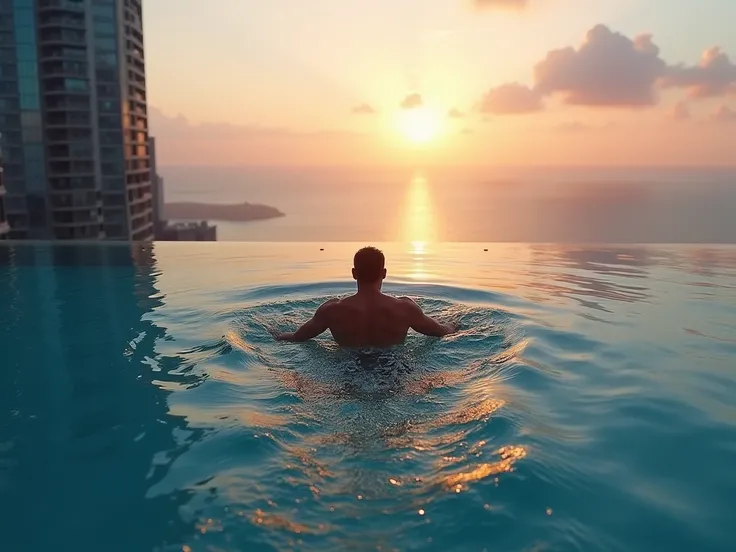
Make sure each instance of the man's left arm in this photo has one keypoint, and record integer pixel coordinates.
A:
(310, 329)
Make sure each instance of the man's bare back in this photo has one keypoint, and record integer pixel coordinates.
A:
(369, 318)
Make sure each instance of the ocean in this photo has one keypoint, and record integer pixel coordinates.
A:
(538, 205)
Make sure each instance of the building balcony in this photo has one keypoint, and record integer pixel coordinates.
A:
(64, 38)
(79, 222)
(66, 106)
(60, 21)
(139, 171)
(73, 72)
(142, 213)
(68, 54)
(69, 124)
(61, 91)
(76, 206)
(144, 233)
(145, 196)
(61, 5)
(136, 185)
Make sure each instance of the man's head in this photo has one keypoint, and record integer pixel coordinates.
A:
(369, 266)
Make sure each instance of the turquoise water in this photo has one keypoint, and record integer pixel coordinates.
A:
(587, 404)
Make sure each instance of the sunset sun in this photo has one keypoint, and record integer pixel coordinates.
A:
(419, 126)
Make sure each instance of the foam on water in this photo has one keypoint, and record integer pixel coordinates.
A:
(370, 441)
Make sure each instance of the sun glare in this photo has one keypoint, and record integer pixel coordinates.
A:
(419, 126)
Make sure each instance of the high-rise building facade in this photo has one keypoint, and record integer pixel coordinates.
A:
(74, 117)
(4, 228)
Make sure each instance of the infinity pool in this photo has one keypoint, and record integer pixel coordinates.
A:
(587, 404)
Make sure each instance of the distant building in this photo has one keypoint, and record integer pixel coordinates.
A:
(188, 231)
(173, 231)
(4, 228)
(74, 118)
(157, 188)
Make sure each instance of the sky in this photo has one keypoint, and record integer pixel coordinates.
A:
(442, 82)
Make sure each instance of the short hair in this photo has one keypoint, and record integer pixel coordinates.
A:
(369, 263)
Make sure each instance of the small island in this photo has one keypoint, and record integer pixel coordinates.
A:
(233, 212)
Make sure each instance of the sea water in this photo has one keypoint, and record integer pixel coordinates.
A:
(587, 402)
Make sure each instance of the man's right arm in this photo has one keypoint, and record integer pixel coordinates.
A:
(423, 324)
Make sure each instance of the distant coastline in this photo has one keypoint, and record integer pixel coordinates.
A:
(234, 212)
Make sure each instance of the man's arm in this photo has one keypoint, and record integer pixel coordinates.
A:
(420, 322)
(312, 328)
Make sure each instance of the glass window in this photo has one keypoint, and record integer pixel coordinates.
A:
(108, 44)
(111, 168)
(37, 209)
(9, 120)
(8, 70)
(106, 58)
(105, 74)
(114, 153)
(104, 29)
(108, 106)
(75, 84)
(109, 121)
(12, 154)
(27, 69)
(8, 104)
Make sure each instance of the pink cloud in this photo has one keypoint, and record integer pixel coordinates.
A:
(412, 101)
(608, 69)
(510, 98)
(714, 75)
(723, 114)
(363, 109)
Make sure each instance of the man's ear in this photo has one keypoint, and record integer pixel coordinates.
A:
(384, 274)
(354, 276)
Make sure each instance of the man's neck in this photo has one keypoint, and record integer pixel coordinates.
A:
(369, 289)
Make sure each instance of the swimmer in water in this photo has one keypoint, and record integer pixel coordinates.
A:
(369, 318)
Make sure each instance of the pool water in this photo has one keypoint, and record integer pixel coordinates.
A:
(586, 404)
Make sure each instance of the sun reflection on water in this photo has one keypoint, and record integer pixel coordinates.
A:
(420, 227)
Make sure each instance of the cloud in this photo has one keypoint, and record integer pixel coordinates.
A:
(183, 142)
(363, 109)
(455, 114)
(714, 75)
(680, 111)
(723, 114)
(510, 98)
(412, 101)
(502, 4)
(608, 69)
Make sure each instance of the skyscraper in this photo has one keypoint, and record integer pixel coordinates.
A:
(4, 228)
(74, 117)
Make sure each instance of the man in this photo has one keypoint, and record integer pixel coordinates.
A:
(369, 318)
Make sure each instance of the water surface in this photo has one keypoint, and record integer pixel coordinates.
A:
(587, 403)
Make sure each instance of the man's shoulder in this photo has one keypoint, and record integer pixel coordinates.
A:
(407, 303)
(329, 304)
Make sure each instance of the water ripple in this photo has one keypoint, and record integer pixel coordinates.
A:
(588, 406)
